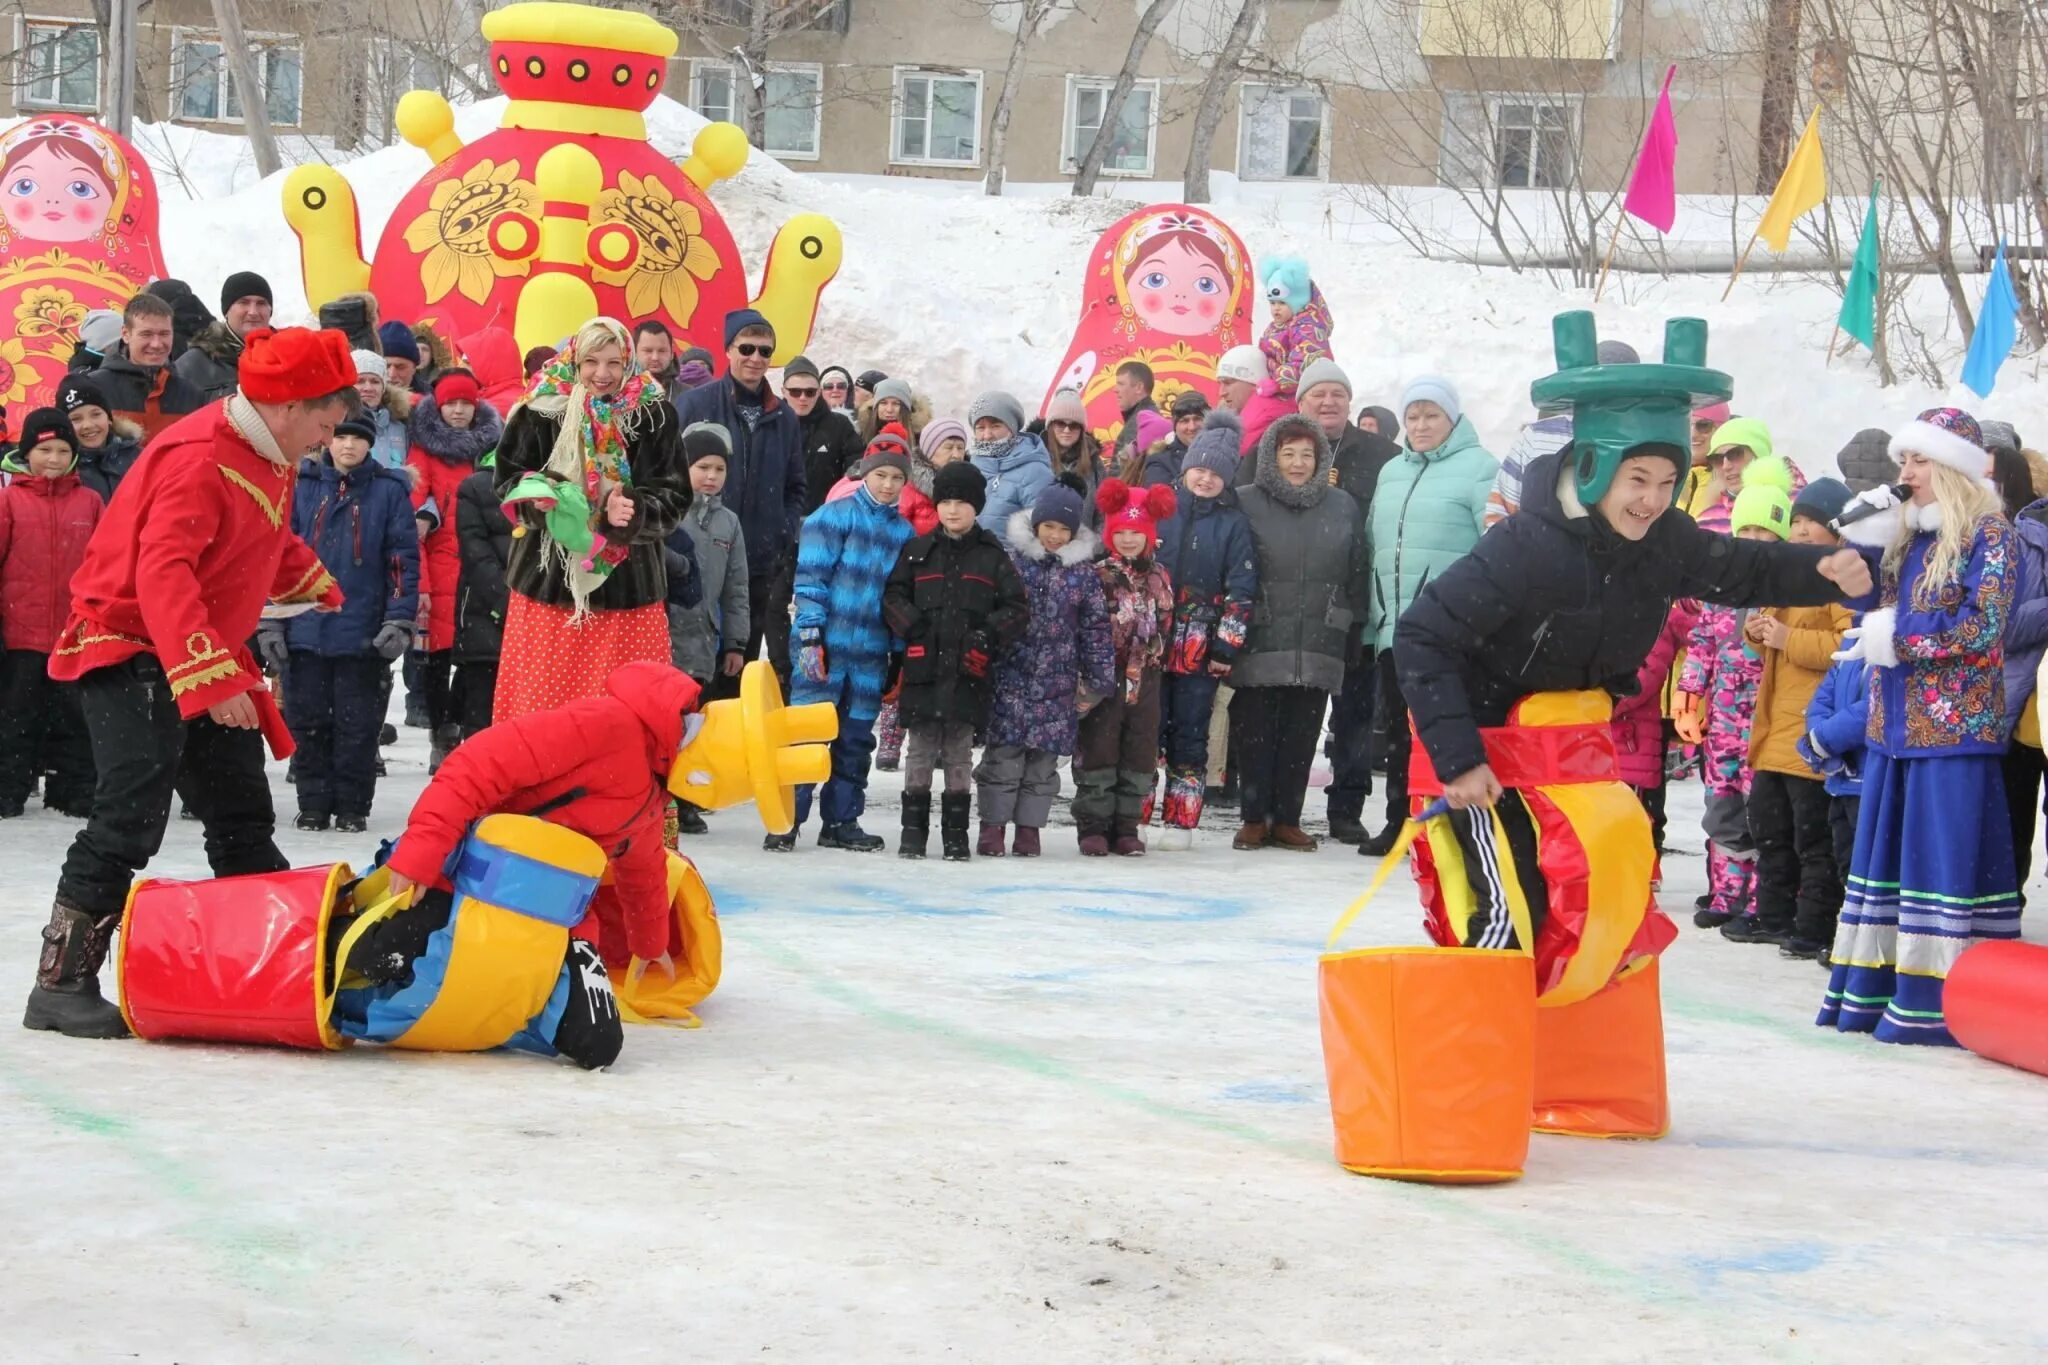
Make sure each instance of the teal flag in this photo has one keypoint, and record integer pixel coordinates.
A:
(1859, 300)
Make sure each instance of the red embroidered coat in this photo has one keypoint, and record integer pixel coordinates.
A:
(196, 540)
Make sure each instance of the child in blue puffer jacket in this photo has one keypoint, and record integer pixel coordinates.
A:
(1836, 722)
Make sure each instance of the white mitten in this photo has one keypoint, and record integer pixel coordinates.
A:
(1877, 637)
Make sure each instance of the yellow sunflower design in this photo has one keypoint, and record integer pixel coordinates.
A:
(453, 234)
(49, 314)
(17, 376)
(674, 256)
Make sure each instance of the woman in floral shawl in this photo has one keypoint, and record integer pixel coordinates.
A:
(594, 422)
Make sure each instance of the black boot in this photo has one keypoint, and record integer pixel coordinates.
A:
(851, 838)
(917, 824)
(67, 997)
(690, 819)
(1346, 829)
(444, 742)
(954, 808)
(1381, 844)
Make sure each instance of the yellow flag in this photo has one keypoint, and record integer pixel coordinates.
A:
(1800, 189)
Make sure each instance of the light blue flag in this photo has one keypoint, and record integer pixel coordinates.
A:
(1996, 329)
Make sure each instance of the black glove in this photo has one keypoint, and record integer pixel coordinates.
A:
(271, 646)
(393, 639)
(974, 657)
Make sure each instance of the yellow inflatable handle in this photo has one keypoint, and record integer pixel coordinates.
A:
(756, 749)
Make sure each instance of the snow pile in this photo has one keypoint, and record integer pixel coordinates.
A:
(961, 292)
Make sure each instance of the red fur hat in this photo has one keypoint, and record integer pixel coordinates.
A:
(1125, 508)
(295, 364)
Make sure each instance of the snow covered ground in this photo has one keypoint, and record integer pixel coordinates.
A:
(1050, 1111)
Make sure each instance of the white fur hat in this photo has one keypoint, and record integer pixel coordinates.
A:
(1947, 436)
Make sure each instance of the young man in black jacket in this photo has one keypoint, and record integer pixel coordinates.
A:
(831, 446)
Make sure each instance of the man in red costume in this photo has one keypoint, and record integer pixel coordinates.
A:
(195, 542)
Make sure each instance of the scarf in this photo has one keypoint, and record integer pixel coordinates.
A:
(591, 450)
(244, 418)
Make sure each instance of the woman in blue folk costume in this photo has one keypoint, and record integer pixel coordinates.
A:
(1930, 874)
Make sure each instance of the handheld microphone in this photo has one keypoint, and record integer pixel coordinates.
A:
(1861, 510)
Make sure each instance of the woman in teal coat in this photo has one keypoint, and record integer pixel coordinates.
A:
(1428, 511)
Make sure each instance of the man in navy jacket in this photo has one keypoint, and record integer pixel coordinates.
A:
(766, 487)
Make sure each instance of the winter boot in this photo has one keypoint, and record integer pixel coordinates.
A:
(1253, 835)
(1381, 844)
(1293, 838)
(1093, 834)
(1025, 845)
(851, 837)
(445, 740)
(67, 998)
(1346, 829)
(779, 843)
(690, 819)
(1183, 808)
(1125, 842)
(351, 824)
(917, 824)
(312, 821)
(954, 808)
(990, 844)
(1151, 802)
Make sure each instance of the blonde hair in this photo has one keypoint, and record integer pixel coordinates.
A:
(600, 332)
(1963, 502)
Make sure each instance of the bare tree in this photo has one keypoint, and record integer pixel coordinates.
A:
(744, 32)
(1775, 111)
(1031, 17)
(1194, 179)
(243, 63)
(1090, 168)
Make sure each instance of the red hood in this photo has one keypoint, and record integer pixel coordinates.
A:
(659, 695)
(493, 357)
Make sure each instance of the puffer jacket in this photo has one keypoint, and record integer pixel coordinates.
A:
(843, 563)
(661, 494)
(597, 766)
(44, 527)
(1427, 513)
(493, 357)
(1312, 576)
(765, 483)
(1638, 724)
(440, 459)
(2026, 629)
(1791, 676)
(102, 470)
(392, 419)
(1065, 652)
(946, 594)
(361, 526)
(1304, 338)
(831, 449)
(483, 535)
(1208, 554)
(1016, 476)
(1837, 720)
(211, 364)
(718, 621)
(1139, 596)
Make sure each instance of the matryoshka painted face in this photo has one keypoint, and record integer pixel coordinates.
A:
(1179, 290)
(48, 195)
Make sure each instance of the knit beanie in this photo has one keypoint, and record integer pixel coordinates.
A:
(1947, 436)
(1430, 388)
(534, 359)
(1748, 432)
(398, 342)
(1125, 508)
(801, 365)
(1324, 370)
(693, 374)
(1193, 403)
(960, 482)
(1775, 472)
(1242, 363)
(1822, 500)
(1762, 505)
(1616, 353)
(701, 440)
(898, 389)
(1390, 425)
(1215, 447)
(294, 365)
(75, 391)
(869, 379)
(1717, 413)
(825, 375)
(937, 430)
(1001, 406)
(241, 285)
(1066, 406)
(456, 386)
(1152, 428)
(2000, 436)
(740, 319)
(100, 330)
(369, 362)
(1866, 461)
(358, 427)
(890, 449)
(44, 424)
(1286, 280)
(1059, 501)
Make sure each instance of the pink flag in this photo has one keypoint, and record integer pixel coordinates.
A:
(1653, 189)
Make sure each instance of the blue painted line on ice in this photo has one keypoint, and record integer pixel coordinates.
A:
(1271, 1092)
(1795, 1259)
(1950, 1155)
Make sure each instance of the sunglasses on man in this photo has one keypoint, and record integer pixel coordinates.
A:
(754, 348)
(788, 392)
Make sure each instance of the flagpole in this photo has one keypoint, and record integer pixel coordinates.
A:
(1612, 242)
(1742, 261)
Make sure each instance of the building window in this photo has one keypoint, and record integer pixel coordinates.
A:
(1280, 134)
(1532, 144)
(60, 66)
(938, 118)
(397, 68)
(206, 87)
(792, 102)
(711, 90)
(1131, 134)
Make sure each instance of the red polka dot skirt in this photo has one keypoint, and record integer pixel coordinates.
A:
(549, 661)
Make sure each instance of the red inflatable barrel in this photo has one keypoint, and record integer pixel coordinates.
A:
(1996, 1002)
(233, 960)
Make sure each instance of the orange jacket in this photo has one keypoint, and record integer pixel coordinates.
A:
(1791, 676)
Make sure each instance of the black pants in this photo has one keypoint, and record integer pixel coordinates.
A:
(1798, 887)
(1390, 724)
(1273, 733)
(476, 684)
(145, 751)
(768, 606)
(1351, 742)
(1653, 806)
(1843, 813)
(1488, 866)
(438, 675)
(2024, 766)
(333, 708)
(41, 731)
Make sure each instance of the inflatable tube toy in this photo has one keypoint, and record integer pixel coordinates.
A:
(1169, 285)
(78, 232)
(753, 748)
(1996, 1002)
(566, 211)
(695, 945)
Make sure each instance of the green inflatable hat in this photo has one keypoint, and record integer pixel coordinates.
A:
(1618, 410)
(561, 505)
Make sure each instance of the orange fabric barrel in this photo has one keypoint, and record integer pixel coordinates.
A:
(232, 960)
